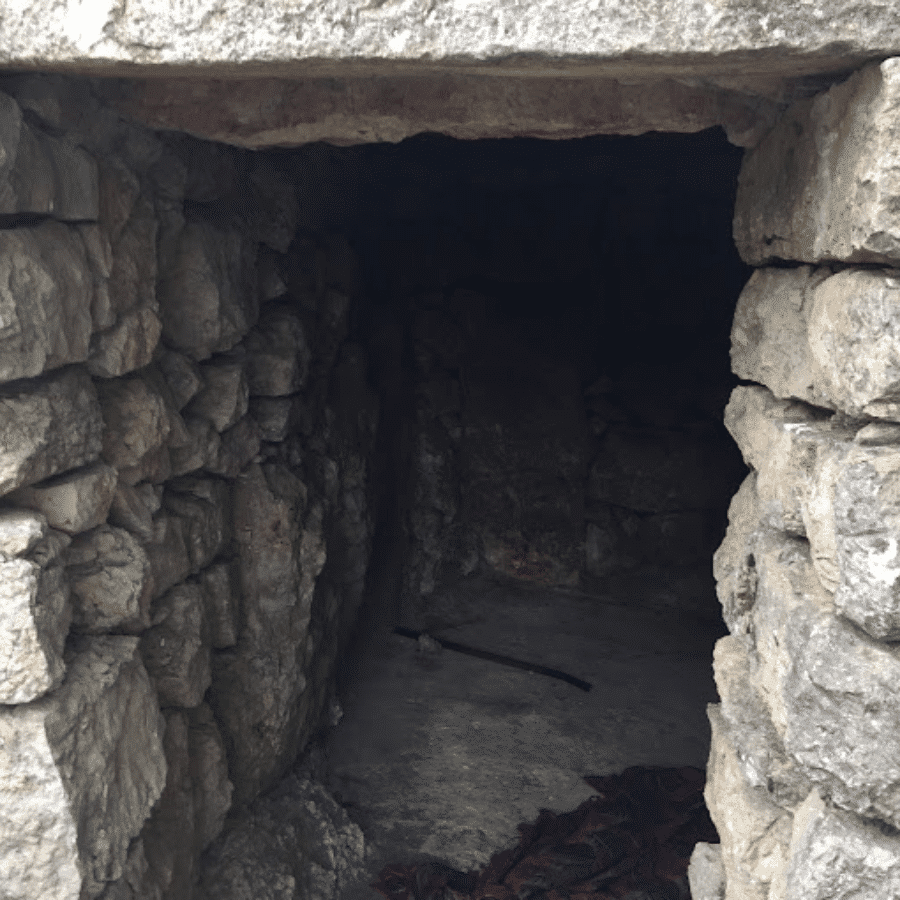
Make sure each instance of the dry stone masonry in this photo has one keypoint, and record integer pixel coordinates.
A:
(194, 455)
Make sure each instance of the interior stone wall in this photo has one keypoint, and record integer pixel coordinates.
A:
(186, 520)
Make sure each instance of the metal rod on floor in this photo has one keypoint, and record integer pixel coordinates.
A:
(497, 658)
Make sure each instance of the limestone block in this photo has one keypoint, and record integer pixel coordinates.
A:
(769, 333)
(204, 506)
(176, 649)
(74, 502)
(119, 189)
(278, 355)
(34, 597)
(133, 507)
(43, 175)
(209, 775)
(281, 552)
(238, 446)
(200, 452)
(214, 266)
(760, 751)
(182, 375)
(706, 874)
(222, 602)
(132, 275)
(754, 832)
(652, 470)
(46, 299)
(80, 771)
(111, 581)
(834, 853)
(127, 346)
(99, 259)
(168, 552)
(137, 882)
(827, 685)
(138, 424)
(866, 510)
(224, 396)
(275, 416)
(823, 184)
(295, 842)
(47, 427)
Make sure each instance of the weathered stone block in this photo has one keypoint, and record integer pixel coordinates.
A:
(176, 649)
(182, 375)
(47, 427)
(74, 502)
(825, 182)
(34, 598)
(138, 425)
(46, 300)
(204, 506)
(754, 831)
(80, 771)
(214, 267)
(202, 451)
(40, 174)
(127, 346)
(222, 602)
(133, 508)
(111, 581)
(278, 356)
(706, 874)
(224, 396)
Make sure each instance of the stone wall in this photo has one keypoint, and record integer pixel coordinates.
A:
(803, 779)
(185, 520)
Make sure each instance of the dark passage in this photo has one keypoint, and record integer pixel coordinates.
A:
(549, 329)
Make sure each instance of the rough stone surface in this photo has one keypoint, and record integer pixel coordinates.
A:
(74, 502)
(36, 609)
(182, 376)
(277, 354)
(213, 265)
(133, 508)
(81, 771)
(258, 686)
(827, 339)
(224, 396)
(834, 853)
(47, 427)
(295, 842)
(222, 602)
(40, 174)
(46, 299)
(176, 649)
(706, 876)
(111, 582)
(127, 346)
(823, 184)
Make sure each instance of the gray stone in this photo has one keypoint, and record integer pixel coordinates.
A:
(36, 609)
(202, 451)
(224, 396)
(275, 416)
(81, 770)
(133, 508)
(706, 875)
(238, 446)
(176, 649)
(822, 184)
(204, 506)
(47, 427)
(74, 502)
(278, 357)
(138, 424)
(222, 604)
(132, 275)
(182, 375)
(209, 775)
(43, 175)
(834, 853)
(111, 582)
(45, 301)
(127, 346)
(295, 842)
(214, 266)
(259, 687)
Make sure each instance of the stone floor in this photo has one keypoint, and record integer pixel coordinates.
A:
(439, 756)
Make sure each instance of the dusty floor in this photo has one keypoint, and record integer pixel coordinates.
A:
(440, 756)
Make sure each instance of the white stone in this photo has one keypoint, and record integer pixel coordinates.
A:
(74, 502)
(824, 183)
(706, 875)
(80, 771)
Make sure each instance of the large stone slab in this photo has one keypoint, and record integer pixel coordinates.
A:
(825, 182)
(80, 771)
(47, 427)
